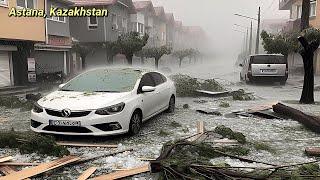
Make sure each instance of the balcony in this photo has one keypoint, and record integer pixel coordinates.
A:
(285, 4)
(292, 26)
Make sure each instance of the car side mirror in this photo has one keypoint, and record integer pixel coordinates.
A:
(61, 86)
(241, 65)
(148, 89)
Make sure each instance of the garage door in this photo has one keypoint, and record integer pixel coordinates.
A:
(4, 69)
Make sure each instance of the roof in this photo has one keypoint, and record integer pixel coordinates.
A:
(103, 3)
(93, 2)
(160, 11)
(170, 17)
(141, 5)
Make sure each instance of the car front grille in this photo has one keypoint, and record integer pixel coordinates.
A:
(67, 129)
(73, 113)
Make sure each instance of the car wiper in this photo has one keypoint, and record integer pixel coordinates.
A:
(66, 90)
(108, 91)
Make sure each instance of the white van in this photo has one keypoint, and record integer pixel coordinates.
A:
(265, 67)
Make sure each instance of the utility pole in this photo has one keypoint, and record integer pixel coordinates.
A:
(247, 39)
(258, 32)
(250, 41)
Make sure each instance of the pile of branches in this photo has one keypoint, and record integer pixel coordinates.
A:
(187, 85)
(192, 160)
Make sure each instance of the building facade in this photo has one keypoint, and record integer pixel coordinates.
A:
(17, 38)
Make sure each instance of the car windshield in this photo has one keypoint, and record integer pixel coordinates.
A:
(103, 80)
(268, 60)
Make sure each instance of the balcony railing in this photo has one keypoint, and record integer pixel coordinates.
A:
(285, 4)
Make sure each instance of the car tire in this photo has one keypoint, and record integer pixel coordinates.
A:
(283, 83)
(172, 105)
(135, 123)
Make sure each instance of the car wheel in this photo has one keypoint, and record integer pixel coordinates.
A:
(282, 83)
(135, 123)
(172, 105)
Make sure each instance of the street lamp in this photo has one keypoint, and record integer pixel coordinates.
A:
(258, 29)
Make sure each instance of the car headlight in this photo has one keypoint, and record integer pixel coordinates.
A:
(111, 109)
(37, 108)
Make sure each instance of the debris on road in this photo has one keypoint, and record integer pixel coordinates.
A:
(15, 102)
(312, 151)
(5, 159)
(124, 173)
(226, 132)
(309, 121)
(36, 170)
(29, 142)
(18, 164)
(209, 112)
(187, 86)
(75, 144)
(241, 95)
(87, 173)
(185, 106)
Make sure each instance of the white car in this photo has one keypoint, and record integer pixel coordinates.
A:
(104, 102)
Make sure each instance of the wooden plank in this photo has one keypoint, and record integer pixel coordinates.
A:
(212, 93)
(87, 173)
(313, 151)
(125, 173)
(18, 164)
(5, 159)
(26, 173)
(200, 127)
(75, 144)
(6, 170)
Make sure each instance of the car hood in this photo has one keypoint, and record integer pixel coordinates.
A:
(59, 100)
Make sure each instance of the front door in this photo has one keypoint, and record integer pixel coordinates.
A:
(4, 69)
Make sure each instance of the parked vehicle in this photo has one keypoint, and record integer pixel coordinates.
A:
(265, 67)
(104, 102)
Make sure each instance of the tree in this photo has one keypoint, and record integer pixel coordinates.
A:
(112, 49)
(287, 43)
(130, 43)
(142, 54)
(305, 15)
(181, 54)
(83, 49)
(157, 53)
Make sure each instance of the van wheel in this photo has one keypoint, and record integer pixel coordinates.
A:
(172, 105)
(135, 123)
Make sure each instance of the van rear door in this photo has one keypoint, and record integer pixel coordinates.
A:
(269, 65)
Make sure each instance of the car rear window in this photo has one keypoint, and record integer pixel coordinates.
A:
(268, 60)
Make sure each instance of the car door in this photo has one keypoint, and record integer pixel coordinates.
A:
(162, 90)
(148, 99)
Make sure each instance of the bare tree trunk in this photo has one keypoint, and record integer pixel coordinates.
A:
(307, 54)
(180, 62)
(129, 59)
(305, 14)
(156, 61)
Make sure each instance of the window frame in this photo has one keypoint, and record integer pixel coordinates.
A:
(154, 79)
(35, 2)
(313, 3)
(92, 26)
(141, 85)
(56, 18)
(4, 3)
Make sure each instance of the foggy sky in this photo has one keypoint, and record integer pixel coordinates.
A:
(216, 17)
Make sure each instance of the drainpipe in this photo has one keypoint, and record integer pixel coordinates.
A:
(104, 27)
(46, 21)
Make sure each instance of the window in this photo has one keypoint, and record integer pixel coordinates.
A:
(157, 78)
(146, 80)
(114, 20)
(57, 18)
(313, 6)
(30, 4)
(92, 22)
(3, 2)
(140, 28)
(125, 24)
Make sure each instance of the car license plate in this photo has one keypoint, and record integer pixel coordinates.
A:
(64, 123)
(268, 70)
